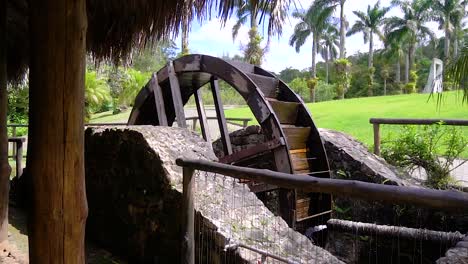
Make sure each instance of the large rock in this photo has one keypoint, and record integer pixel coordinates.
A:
(134, 195)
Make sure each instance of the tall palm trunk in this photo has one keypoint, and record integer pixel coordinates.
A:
(447, 42)
(407, 67)
(327, 63)
(4, 166)
(398, 71)
(342, 30)
(455, 46)
(371, 50)
(185, 31)
(385, 86)
(411, 53)
(313, 69)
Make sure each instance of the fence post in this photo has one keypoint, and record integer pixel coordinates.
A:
(376, 139)
(19, 158)
(194, 124)
(188, 237)
(245, 123)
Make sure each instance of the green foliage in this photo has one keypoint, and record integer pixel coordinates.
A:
(18, 106)
(343, 79)
(97, 93)
(253, 52)
(154, 56)
(433, 148)
(323, 91)
(410, 87)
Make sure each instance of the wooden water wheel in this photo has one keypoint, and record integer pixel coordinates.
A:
(292, 137)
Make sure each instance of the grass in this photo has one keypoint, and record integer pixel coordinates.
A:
(108, 117)
(352, 115)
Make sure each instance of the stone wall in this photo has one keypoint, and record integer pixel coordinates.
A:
(134, 195)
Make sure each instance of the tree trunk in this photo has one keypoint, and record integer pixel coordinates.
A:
(185, 31)
(447, 42)
(361, 229)
(313, 71)
(327, 64)
(407, 67)
(385, 86)
(342, 30)
(56, 131)
(411, 53)
(371, 50)
(4, 166)
(398, 71)
(455, 46)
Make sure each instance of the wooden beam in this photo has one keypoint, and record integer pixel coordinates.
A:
(202, 116)
(58, 213)
(359, 228)
(442, 200)
(188, 218)
(5, 169)
(415, 121)
(176, 96)
(225, 139)
(158, 100)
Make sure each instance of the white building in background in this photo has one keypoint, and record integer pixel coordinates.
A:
(435, 79)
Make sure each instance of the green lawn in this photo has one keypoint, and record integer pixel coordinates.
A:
(108, 117)
(352, 115)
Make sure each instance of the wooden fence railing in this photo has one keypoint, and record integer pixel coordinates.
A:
(446, 200)
(376, 122)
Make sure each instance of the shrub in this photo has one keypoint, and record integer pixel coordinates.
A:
(342, 67)
(410, 87)
(418, 147)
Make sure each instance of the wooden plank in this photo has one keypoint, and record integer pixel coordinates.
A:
(252, 151)
(176, 96)
(296, 136)
(202, 116)
(300, 161)
(268, 85)
(158, 100)
(314, 216)
(294, 151)
(286, 112)
(448, 200)
(225, 139)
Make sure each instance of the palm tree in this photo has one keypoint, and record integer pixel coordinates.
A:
(449, 14)
(328, 44)
(343, 23)
(410, 28)
(384, 73)
(457, 72)
(369, 24)
(313, 21)
(249, 11)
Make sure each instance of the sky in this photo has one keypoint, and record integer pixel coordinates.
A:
(212, 39)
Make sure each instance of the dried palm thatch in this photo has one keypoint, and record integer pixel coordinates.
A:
(115, 27)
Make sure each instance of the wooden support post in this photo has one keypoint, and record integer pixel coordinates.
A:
(4, 166)
(376, 139)
(188, 218)
(58, 213)
(202, 116)
(225, 139)
(19, 158)
(158, 100)
(245, 123)
(176, 96)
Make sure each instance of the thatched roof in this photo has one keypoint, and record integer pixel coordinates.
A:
(117, 26)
